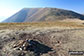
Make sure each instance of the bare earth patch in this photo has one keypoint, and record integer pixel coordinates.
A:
(49, 41)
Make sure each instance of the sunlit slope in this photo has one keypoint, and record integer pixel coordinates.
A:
(43, 14)
(59, 24)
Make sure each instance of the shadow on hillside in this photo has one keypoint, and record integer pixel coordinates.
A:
(38, 48)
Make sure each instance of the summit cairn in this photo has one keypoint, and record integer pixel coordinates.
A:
(24, 45)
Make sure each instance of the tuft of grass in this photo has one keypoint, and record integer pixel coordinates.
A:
(41, 24)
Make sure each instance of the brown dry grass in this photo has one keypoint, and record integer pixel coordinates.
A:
(45, 24)
(70, 39)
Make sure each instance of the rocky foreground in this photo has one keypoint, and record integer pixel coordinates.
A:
(47, 41)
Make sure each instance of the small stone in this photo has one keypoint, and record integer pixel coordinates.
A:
(37, 33)
(20, 49)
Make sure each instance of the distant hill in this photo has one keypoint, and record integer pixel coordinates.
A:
(43, 14)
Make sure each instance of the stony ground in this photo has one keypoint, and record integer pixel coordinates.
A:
(52, 41)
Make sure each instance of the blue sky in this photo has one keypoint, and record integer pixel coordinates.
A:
(9, 7)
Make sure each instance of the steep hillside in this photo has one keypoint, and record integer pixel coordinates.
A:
(43, 14)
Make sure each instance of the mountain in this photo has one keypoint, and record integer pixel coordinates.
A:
(43, 14)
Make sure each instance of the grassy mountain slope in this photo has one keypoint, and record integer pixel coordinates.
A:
(43, 14)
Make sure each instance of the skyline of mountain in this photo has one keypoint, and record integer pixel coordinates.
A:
(43, 14)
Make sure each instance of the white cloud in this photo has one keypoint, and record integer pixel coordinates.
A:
(2, 18)
(7, 12)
